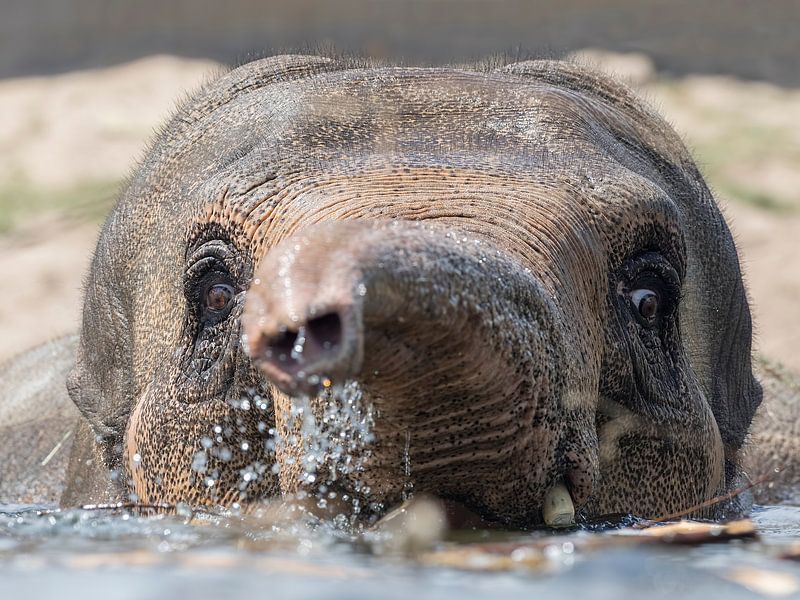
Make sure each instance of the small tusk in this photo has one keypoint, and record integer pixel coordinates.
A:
(558, 508)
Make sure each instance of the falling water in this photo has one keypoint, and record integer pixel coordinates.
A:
(408, 484)
(333, 434)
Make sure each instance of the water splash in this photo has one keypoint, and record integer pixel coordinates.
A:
(408, 483)
(244, 432)
(331, 435)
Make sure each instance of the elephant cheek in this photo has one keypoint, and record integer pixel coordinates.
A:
(655, 471)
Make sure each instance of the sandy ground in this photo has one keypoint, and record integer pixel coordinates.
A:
(91, 126)
(48, 274)
(768, 248)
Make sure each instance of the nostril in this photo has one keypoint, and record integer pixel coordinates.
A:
(325, 331)
(290, 357)
(280, 348)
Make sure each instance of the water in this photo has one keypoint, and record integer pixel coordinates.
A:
(330, 438)
(115, 554)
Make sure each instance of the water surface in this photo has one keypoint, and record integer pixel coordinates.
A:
(106, 554)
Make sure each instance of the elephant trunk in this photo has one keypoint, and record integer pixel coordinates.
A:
(454, 342)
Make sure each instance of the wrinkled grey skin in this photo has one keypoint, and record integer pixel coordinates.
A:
(36, 417)
(470, 245)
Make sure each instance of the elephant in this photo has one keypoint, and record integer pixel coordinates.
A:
(511, 276)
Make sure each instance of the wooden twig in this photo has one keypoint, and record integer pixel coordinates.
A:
(115, 506)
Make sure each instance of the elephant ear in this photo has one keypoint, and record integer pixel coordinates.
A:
(717, 328)
(101, 382)
(715, 317)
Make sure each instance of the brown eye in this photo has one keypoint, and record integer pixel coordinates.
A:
(219, 296)
(646, 303)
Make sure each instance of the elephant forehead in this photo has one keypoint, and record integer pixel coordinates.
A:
(498, 204)
(425, 113)
(382, 141)
(491, 150)
(590, 207)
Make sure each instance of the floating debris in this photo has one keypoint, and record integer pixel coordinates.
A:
(777, 584)
(694, 532)
(413, 528)
(545, 553)
(792, 553)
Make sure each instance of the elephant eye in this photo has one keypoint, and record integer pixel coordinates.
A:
(646, 303)
(219, 297)
(649, 289)
(215, 299)
(213, 283)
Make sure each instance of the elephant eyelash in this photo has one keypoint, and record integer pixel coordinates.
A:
(197, 274)
(651, 264)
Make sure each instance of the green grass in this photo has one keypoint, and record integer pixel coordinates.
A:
(733, 143)
(755, 198)
(21, 202)
(749, 149)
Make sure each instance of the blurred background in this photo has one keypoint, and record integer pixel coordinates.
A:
(83, 84)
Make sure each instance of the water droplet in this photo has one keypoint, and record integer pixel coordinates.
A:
(199, 461)
(305, 547)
